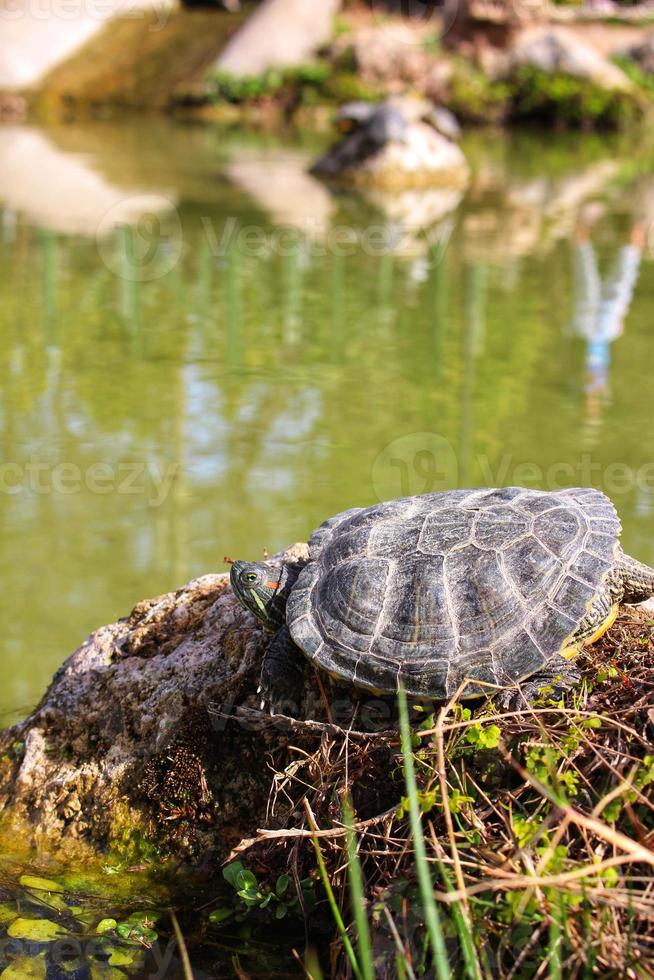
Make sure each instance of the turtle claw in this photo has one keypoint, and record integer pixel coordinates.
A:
(259, 689)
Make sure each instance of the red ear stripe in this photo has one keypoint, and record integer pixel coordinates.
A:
(271, 585)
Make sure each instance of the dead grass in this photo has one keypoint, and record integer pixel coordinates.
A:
(539, 826)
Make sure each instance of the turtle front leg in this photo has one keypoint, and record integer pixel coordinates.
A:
(282, 675)
(556, 678)
(637, 579)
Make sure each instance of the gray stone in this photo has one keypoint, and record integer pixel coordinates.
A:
(556, 49)
(391, 146)
(643, 54)
(279, 34)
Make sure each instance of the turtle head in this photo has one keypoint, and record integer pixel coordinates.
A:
(263, 589)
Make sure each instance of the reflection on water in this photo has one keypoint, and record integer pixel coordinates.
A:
(601, 307)
(221, 372)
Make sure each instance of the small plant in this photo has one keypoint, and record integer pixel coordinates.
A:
(643, 79)
(474, 98)
(253, 895)
(304, 84)
(570, 101)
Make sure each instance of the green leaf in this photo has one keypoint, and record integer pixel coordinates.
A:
(40, 884)
(38, 930)
(105, 925)
(7, 913)
(220, 915)
(26, 968)
(491, 736)
(280, 911)
(612, 810)
(133, 932)
(239, 877)
(282, 885)
(122, 957)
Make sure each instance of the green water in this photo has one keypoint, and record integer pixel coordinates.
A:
(182, 377)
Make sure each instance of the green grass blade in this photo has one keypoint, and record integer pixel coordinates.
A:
(181, 947)
(462, 924)
(333, 904)
(557, 925)
(432, 916)
(357, 895)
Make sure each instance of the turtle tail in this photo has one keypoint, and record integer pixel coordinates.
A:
(637, 579)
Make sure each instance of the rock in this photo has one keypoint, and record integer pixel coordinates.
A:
(34, 38)
(279, 34)
(391, 58)
(13, 108)
(556, 49)
(444, 122)
(391, 146)
(643, 54)
(138, 733)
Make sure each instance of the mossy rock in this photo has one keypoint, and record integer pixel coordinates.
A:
(473, 97)
(307, 84)
(571, 102)
(140, 62)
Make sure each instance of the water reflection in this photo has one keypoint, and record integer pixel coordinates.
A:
(63, 192)
(601, 305)
(282, 352)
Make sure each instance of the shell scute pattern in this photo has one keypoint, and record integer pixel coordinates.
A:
(483, 585)
(477, 585)
(393, 539)
(416, 624)
(444, 530)
(498, 527)
(531, 567)
(560, 530)
(591, 569)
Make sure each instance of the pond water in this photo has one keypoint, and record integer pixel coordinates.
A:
(205, 352)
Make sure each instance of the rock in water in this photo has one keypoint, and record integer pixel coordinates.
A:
(394, 145)
(132, 739)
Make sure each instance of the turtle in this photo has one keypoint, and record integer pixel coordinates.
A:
(366, 127)
(448, 594)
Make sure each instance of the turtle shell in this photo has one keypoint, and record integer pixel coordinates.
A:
(435, 589)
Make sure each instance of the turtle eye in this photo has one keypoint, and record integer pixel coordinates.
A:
(249, 578)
